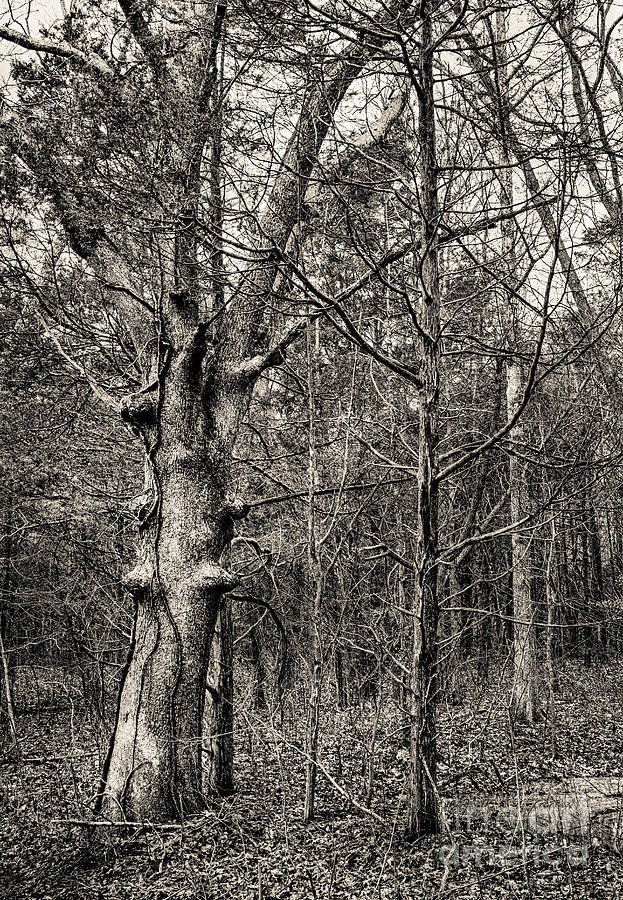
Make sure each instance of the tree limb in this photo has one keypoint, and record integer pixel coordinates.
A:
(89, 60)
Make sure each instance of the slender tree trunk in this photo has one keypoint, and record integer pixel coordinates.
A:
(341, 655)
(454, 652)
(403, 648)
(316, 582)
(486, 606)
(596, 579)
(8, 696)
(259, 675)
(341, 682)
(586, 613)
(313, 711)
(459, 579)
(565, 580)
(219, 714)
(550, 595)
(378, 706)
(523, 699)
(423, 811)
(6, 594)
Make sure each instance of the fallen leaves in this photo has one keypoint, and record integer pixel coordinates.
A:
(253, 846)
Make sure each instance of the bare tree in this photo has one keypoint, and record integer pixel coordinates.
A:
(199, 353)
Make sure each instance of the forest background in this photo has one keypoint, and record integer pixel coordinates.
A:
(310, 455)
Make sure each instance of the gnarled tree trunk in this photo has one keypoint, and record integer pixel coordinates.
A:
(155, 765)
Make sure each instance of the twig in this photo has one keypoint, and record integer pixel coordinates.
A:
(42, 760)
(98, 823)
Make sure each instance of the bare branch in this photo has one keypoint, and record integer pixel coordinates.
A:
(88, 60)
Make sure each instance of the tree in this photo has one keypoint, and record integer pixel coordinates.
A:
(523, 699)
(130, 187)
(423, 814)
(199, 185)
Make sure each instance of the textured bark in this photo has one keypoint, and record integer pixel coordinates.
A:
(523, 698)
(188, 424)
(4, 661)
(423, 811)
(155, 767)
(524, 694)
(317, 590)
(219, 724)
(550, 598)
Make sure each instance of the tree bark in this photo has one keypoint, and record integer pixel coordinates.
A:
(219, 715)
(154, 769)
(4, 661)
(524, 695)
(523, 698)
(551, 598)
(316, 581)
(423, 811)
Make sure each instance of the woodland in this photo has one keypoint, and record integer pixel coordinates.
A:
(311, 354)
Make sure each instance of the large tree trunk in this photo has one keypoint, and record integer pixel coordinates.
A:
(154, 769)
(200, 346)
(423, 811)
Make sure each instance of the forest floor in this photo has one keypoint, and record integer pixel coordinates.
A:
(522, 820)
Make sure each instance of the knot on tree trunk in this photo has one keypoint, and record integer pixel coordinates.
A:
(211, 577)
(139, 410)
(236, 508)
(139, 579)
